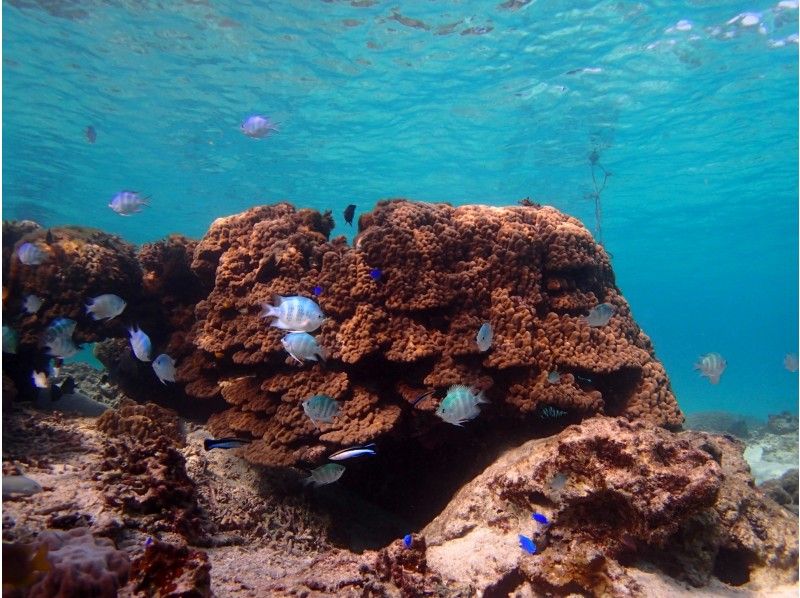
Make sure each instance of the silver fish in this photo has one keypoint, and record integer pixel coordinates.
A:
(599, 315)
(354, 451)
(484, 338)
(126, 203)
(320, 408)
(19, 484)
(325, 474)
(30, 254)
(258, 126)
(298, 314)
(302, 346)
(460, 405)
(164, 367)
(32, 304)
(58, 338)
(140, 343)
(106, 306)
(790, 362)
(711, 365)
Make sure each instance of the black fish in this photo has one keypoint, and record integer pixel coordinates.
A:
(67, 387)
(91, 134)
(348, 214)
(224, 443)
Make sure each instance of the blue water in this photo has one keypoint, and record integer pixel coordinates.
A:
(458, 101)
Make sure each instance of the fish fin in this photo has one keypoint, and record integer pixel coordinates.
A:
(297, 359)
(481, 398)
(68, 386)
(371, 446)
(55, 392)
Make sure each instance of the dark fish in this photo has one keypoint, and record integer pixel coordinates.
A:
(49, 237)
(348, 214)
(149, 541)
(91, 134)
(527, 544)
(375, 274)
(354, 451)
(317, 290)
(408, 540)
(539, 518)
(67, 387)
(422, 397)
(224, 443)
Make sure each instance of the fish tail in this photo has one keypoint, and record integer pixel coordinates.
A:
(371, 446)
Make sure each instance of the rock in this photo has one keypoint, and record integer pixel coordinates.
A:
(784, 490)
(783, 423)
(168, 571)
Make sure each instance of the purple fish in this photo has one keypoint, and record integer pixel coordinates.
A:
(91, 134)
(711, 366)
(258, 127)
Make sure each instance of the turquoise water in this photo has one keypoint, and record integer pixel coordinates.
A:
(466, 102)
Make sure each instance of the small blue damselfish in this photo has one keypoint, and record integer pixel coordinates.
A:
(408, 540)
(527, 544)
(538, 517)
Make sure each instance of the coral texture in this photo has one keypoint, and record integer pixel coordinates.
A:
(532, 272)
(614, 492)
(169, 571)
(81, 565)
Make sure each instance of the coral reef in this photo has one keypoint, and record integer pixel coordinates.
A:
(81, 565)
(531, 272)
(169, 571)
(773, 450)
(614, 492)
(784, 490)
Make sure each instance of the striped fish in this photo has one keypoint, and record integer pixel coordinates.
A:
(58, 338)
(320, 408)
(302, 346)
(298, 314)
(460, 405)
(325, 474)
(711, 365)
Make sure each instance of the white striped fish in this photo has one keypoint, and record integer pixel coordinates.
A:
(711, 365)
(320, 408)
(302, 346)
(298, 314)
(460, 405)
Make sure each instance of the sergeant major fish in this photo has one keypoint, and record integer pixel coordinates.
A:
(460, 405)
(301, 346)
(298, 314)
(126, 203)
(320, 408)
(58, 338)
(711, 365)
(105, 307)
(325, 474)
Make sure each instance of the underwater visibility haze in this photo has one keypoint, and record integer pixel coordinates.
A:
(668, 129)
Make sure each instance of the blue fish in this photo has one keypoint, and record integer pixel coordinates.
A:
(148, 542)
(375, 274)
(354, 451)
(408, 540)
(539, 518)
(484, 338)
(527, 544)
(224, 443)
(317, 290)
(140, 343)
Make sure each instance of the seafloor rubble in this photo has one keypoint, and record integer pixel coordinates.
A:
(634, 506)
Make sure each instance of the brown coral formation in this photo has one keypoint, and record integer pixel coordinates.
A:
(615, 493)
(169, 571)
(532, 272)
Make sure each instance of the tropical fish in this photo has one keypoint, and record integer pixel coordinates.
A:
(711, 365)
(317, 290)
(32, 304)
(320, 408)
(302, 346)
(484, 338)
(19, 484)
(23, 564)
(258, 127)
(225, 443)
(349, 211)
(298, 314)
(540, 518)
(554, 377)
(527, 544)
(40, 379)
(10, 340)
(140, 343)
(549, 412)
(408, 540)
(422, 397)
(375, 274)
(354, 451)
(164, 367)
(325, 474)
(105, 307)
(790, 362)
(460, 405)
(599, 315)
(30, 254)
(91, 134)
(126, 203)
(58, 338)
